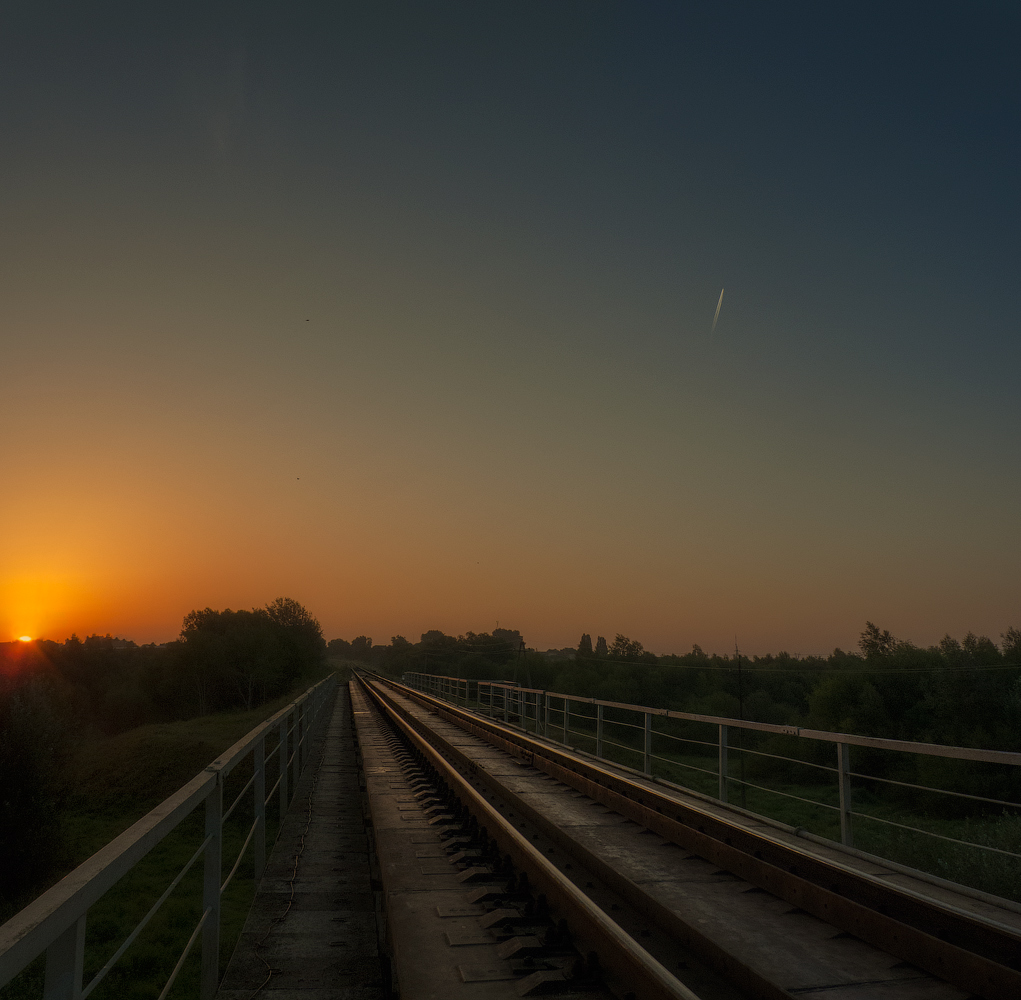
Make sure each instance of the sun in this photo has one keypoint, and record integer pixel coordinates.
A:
(24, 638)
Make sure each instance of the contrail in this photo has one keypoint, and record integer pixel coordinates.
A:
(717, 316)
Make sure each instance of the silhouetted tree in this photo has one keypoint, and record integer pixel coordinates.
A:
(233, 658)
(624, 648)
(585, 645)
(361, 648)
(1012, 645)
(874, 643)
(601, 649)
(36, 734)
(338, 647)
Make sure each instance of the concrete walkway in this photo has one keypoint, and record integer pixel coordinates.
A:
(313, 922)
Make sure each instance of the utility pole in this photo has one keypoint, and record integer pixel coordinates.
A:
(523, 656)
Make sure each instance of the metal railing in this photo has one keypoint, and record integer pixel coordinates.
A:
(54, 923)
(598, 726)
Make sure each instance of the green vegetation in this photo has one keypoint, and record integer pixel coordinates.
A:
(96, 732)
(116, 780)
(58, 699)
(964, 693)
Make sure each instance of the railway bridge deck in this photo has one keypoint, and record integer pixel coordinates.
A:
(430, 852)
(455, 906)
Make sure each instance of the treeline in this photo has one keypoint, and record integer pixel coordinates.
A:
(474, 654)
(54, 694)
(961, 692)
(965, 692)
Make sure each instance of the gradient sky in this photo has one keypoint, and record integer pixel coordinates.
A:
(403, 310)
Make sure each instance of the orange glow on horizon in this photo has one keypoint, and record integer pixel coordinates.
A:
(24, 638)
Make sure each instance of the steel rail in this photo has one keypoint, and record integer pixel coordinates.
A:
(969, 950)
(617, 950)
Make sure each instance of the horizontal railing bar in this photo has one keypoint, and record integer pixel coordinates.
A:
(98, 977)
(39, 924)
(939, 836)
(578, 732)
(237, 801)
(680, 763)
(684, 739)
(228, 760)
(786, 795)
(875, 742)
(938, 791)
(621, 746)
(774, 756)
(241, 854)
(926, 749)
(184, 955)
(623, 725)
(272, 791)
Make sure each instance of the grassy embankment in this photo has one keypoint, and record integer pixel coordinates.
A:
(117, 780)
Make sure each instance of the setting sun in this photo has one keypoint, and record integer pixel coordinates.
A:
(24, 638)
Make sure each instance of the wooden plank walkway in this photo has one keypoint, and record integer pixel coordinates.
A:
(312, 930)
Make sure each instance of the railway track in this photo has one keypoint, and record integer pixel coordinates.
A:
(511, 866)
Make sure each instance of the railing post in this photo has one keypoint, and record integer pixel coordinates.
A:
(844, 777)
(506, 713)
(724, 765)
(599, 730)
(545, 715)
(64, 961)
(567, 720)
(296, 743)
(648, 742)
(259, 767)
(282, 761)
(213, 872)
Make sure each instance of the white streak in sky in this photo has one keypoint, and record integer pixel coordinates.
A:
(717, 316)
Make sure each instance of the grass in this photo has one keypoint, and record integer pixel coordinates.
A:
(118, 780)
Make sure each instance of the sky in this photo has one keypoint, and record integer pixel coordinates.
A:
(404, 310)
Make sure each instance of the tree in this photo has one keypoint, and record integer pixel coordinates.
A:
(1012, 645)
(236, 658)
(585, 645)
(624, 648)
(361, 648)
(601, 646)
(302, 631)
(510, 637)
(874, 643)
(338, 647)
(35, 744)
